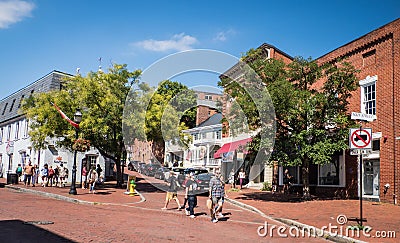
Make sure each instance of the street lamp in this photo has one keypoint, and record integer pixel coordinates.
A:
(77, 120)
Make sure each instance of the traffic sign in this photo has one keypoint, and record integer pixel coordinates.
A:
(360, 138)
(362, 116)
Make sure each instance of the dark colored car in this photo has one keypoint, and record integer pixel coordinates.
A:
(151, 169)
(160, 173)
(133, 165)
(187, 171)
(203, 181)
(141, 167)
(177, 170)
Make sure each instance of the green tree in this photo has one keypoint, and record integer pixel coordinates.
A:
(312, 120)
(169, 111)
(101, 98)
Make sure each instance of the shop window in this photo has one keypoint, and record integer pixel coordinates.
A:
(329, 174)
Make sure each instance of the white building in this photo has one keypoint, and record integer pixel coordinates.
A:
(15, 144)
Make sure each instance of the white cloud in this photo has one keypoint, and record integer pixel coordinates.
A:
(178, 42)
(223, 35)
(13, 11)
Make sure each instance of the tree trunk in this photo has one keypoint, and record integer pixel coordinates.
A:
(120, 179)
(306, 182)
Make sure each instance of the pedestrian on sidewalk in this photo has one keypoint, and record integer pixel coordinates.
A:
(99, 170)
(216, 194)
(51, 175)
(187, 177)
(287, 178)
(172, 192)
(28, 172)
(190, 194)
(63, 172)
(35, 176)
(92, 179)
(242, 177)
(18, 171)
(45, 175)
(56, 175)
(84, 176)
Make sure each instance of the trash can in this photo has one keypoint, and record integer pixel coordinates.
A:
(12, 178)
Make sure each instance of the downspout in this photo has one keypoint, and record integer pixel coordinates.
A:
(394, 126)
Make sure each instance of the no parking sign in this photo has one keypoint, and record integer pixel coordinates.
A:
(360, 138)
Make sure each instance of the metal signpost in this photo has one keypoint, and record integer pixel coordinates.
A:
(361, 139)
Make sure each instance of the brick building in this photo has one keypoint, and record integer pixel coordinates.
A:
(377, 56)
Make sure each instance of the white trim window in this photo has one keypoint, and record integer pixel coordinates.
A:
(368, 95)
(16, 136)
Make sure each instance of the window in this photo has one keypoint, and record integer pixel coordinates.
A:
(368, 95)
(16, 130)
(331, 173)
(20, 101)
(26, 130)
(4, 110)
(1, 135)
(376, 145)
(12, 105)
(195, 136)
(92, 161)
(208, 97)
(9, 133)
(218, 134)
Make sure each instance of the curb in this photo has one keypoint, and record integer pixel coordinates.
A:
(318, 232)
(64, 198)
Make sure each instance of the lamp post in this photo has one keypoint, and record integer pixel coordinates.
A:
(77, 119)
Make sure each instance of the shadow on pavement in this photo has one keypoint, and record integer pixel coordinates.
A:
(269, 196)
(20, 231)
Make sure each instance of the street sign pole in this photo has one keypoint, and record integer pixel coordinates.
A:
(361, 184)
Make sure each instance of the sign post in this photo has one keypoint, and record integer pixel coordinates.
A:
(361, 139)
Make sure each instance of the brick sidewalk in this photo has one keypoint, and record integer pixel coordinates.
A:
(106, 194)
(380, 217)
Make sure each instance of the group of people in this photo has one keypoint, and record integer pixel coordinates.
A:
(216, 195)
(49, 176)
(91, 177)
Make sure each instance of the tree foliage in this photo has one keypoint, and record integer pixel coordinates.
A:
(311, 108)
(100, 97)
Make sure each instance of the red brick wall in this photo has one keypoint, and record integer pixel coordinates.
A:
(378, 53)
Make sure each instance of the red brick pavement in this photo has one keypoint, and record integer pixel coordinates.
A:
(381, 217)
(319, 213)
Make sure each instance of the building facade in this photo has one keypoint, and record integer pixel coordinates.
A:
(377, 56)
(16, 146)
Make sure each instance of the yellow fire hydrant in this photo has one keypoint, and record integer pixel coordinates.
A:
(132, 186)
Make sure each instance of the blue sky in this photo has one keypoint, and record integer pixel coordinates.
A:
(38, 36)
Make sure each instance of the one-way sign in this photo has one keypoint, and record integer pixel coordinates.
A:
(360, 138)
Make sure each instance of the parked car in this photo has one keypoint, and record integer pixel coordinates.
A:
(141, 167)
(195, 171)
(160, 173)
(133, 165)
(177, 171)
(151, 169)
(203, 181)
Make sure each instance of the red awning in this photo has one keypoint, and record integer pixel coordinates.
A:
(229, 147)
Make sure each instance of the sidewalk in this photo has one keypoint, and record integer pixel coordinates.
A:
(107, 194)
(289, 210)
